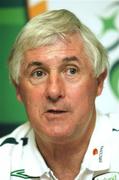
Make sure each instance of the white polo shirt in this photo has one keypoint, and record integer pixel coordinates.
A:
(20, 159)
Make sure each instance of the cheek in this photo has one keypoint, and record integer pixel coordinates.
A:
(83, 104)
(82, 94)
(34, 106)
(31, 98)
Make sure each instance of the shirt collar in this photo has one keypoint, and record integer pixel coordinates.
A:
(98, 155)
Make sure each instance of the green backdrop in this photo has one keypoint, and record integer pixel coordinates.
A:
(12, 17)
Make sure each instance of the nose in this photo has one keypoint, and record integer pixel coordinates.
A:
(55, 88)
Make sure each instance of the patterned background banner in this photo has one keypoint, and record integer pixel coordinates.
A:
(101, 16)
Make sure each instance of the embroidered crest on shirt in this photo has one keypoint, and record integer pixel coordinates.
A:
(12, 140)
(21, 174)
(108, 176)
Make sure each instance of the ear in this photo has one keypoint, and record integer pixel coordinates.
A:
(18, 92)
(100, 82)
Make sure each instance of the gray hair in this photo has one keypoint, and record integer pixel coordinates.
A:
(44, 29)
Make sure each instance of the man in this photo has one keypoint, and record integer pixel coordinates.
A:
(58, 68)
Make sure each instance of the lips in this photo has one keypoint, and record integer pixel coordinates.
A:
(54, 114)
(56, 111)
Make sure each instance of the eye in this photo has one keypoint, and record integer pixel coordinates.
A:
(38, 74)
(71, 71)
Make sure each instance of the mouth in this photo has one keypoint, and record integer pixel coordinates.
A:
(57, 111)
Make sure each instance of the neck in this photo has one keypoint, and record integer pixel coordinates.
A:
(65, 159)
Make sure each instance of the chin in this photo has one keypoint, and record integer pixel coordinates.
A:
(55, 132)
(59, 135)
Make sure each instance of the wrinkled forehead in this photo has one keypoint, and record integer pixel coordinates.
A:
(39, 41)
(57, 54)
(72, 46)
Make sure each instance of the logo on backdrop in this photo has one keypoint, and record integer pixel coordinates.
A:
(111, 27)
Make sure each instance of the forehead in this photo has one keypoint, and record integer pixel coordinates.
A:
(72, 46)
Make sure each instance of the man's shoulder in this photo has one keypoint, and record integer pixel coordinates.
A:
(110, 118)
(11, 148)
(114, 147)
(114, 121)
(15, 137)
(110, 124)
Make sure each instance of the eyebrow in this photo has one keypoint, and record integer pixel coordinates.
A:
(34, 63)
(65, 60)
(69, 59)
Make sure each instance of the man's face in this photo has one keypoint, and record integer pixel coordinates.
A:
(58, 88)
